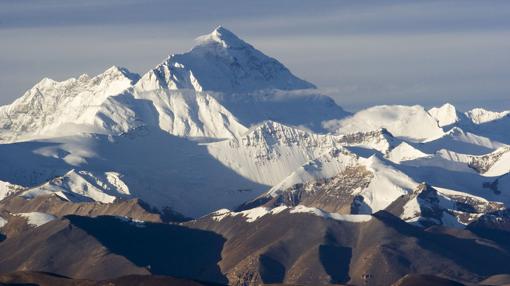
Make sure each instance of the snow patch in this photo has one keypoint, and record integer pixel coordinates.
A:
(387, 185)
(7, 189)
(335, 216)
(37, 218)
(3, 222)
(254, 214)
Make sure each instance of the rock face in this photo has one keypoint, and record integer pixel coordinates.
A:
(339, 194)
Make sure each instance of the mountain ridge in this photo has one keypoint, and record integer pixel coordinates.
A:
(220, 165)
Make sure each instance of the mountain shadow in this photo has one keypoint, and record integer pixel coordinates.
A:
(335, 260)
(452, 248)
(163, 249)
(496, 230)
(271, 271)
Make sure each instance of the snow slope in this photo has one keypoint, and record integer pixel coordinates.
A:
(271, 151)
(327, 165)
(185, 113)
(458, 140)
(405, 152)
(411, 122)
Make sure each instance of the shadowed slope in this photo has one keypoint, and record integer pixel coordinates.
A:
(107, 247)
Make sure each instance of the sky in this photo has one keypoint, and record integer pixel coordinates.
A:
(361, 53)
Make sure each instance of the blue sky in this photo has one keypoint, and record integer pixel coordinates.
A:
(361, 53)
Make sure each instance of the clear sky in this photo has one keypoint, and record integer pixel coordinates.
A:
(361, 53)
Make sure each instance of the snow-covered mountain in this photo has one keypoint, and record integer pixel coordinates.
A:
(224, 125)
(253, 168)
(445, 115)
(480, 115)
(216, 90)
(222, 62)
(53, 108)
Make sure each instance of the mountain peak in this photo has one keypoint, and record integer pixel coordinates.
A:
(445, 115)
(115, 70)
(480, 115)
(222, 62)
(119, 72)
(222, 36)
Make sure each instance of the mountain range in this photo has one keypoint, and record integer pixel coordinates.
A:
(221, 166)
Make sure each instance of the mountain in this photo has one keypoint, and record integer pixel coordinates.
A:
(291, 245)
(340, 182)
(478, 121)
(222, 62)
(188, 95)
(203, 124)
(481, 116)
(251, 85)
(221, 166)
(427, 206)
(74, 152)
(306, 246)
(445, 115)
(52, 107)
(85, 247)
(461, 141)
